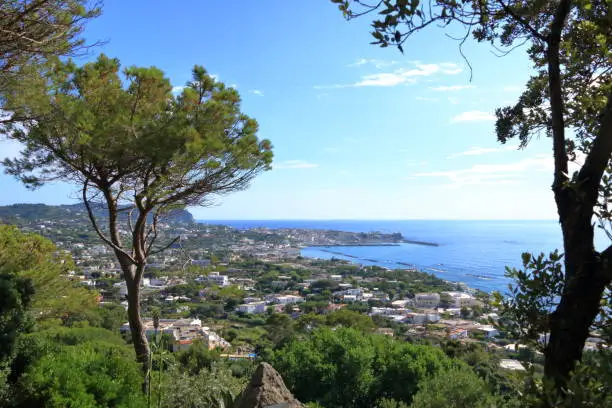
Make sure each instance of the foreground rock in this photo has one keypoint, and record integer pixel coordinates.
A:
(266, 390)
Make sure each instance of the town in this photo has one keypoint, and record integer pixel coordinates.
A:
(219, 286)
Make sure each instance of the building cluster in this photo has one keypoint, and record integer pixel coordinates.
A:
(445, 314)
(183, 333)
(276, 301)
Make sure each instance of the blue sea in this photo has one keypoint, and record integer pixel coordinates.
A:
(473, 252)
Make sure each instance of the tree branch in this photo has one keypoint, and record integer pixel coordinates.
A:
(94, 223)
(522, 21)
(606, 263)
(162, 249)
(556, 102)
(596, 162)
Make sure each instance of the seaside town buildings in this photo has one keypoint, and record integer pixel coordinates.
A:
(183, 332)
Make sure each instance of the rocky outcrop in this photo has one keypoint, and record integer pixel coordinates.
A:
(266, 390)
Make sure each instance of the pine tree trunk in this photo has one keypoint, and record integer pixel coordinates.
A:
(570, 323)
(139, 337)
(579, 304)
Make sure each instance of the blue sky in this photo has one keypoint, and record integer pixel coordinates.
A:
(359, 132)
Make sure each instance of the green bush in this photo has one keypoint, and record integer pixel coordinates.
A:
(348, 368)
(455, 388)
(92, 374)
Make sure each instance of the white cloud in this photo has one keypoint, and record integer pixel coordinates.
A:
(400, 76)
(384, 79)
(477, 151)
(473, 116)
(447, 88)
(426, 98)
(235, 86)
(375, 62)
(454, 101)
(295, 164)
(177, 89)
(450, 68)
(494, 174)
(256, 92)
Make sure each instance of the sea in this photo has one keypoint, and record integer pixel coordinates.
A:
(475, 253)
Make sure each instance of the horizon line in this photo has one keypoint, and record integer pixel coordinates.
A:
(376, 219)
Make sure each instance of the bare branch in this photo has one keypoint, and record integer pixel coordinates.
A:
(368, 9)
(162, 249)
(503, 53)
(94, 223)
(535, 33)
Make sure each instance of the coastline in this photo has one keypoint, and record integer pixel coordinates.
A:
(377, 244)
(473, 282)
(407, 267)
(474, 252)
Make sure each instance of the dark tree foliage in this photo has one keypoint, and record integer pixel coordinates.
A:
(136, 150)
(33, 32)
(15, 297)
(569, 99)
(347, 368)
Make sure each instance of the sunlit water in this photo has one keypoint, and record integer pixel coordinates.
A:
(473, 252)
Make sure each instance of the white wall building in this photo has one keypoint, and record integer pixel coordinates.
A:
(421, 318)
(252, 308)
(220, 280)
(461, 299)
(285, 299)
(427, 300)
(489, 331)
(388, 311)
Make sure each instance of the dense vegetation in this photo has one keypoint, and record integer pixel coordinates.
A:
(138, 151)
(346, 368)
(567, 98)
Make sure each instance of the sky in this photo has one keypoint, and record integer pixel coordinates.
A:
(359, 132)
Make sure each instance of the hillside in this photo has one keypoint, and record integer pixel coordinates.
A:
(19, 213)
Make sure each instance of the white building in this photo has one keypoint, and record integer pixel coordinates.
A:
(122, 288)
(461, 299)
(285, 299)
(400, 303)
(457, 333)
(489, 331)
(252, 308)
(200, 262)
(420, 318)
(388, 311)
(510, 364)
(354, 292)
(184, 332)
(219, 280)
(427, 300)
